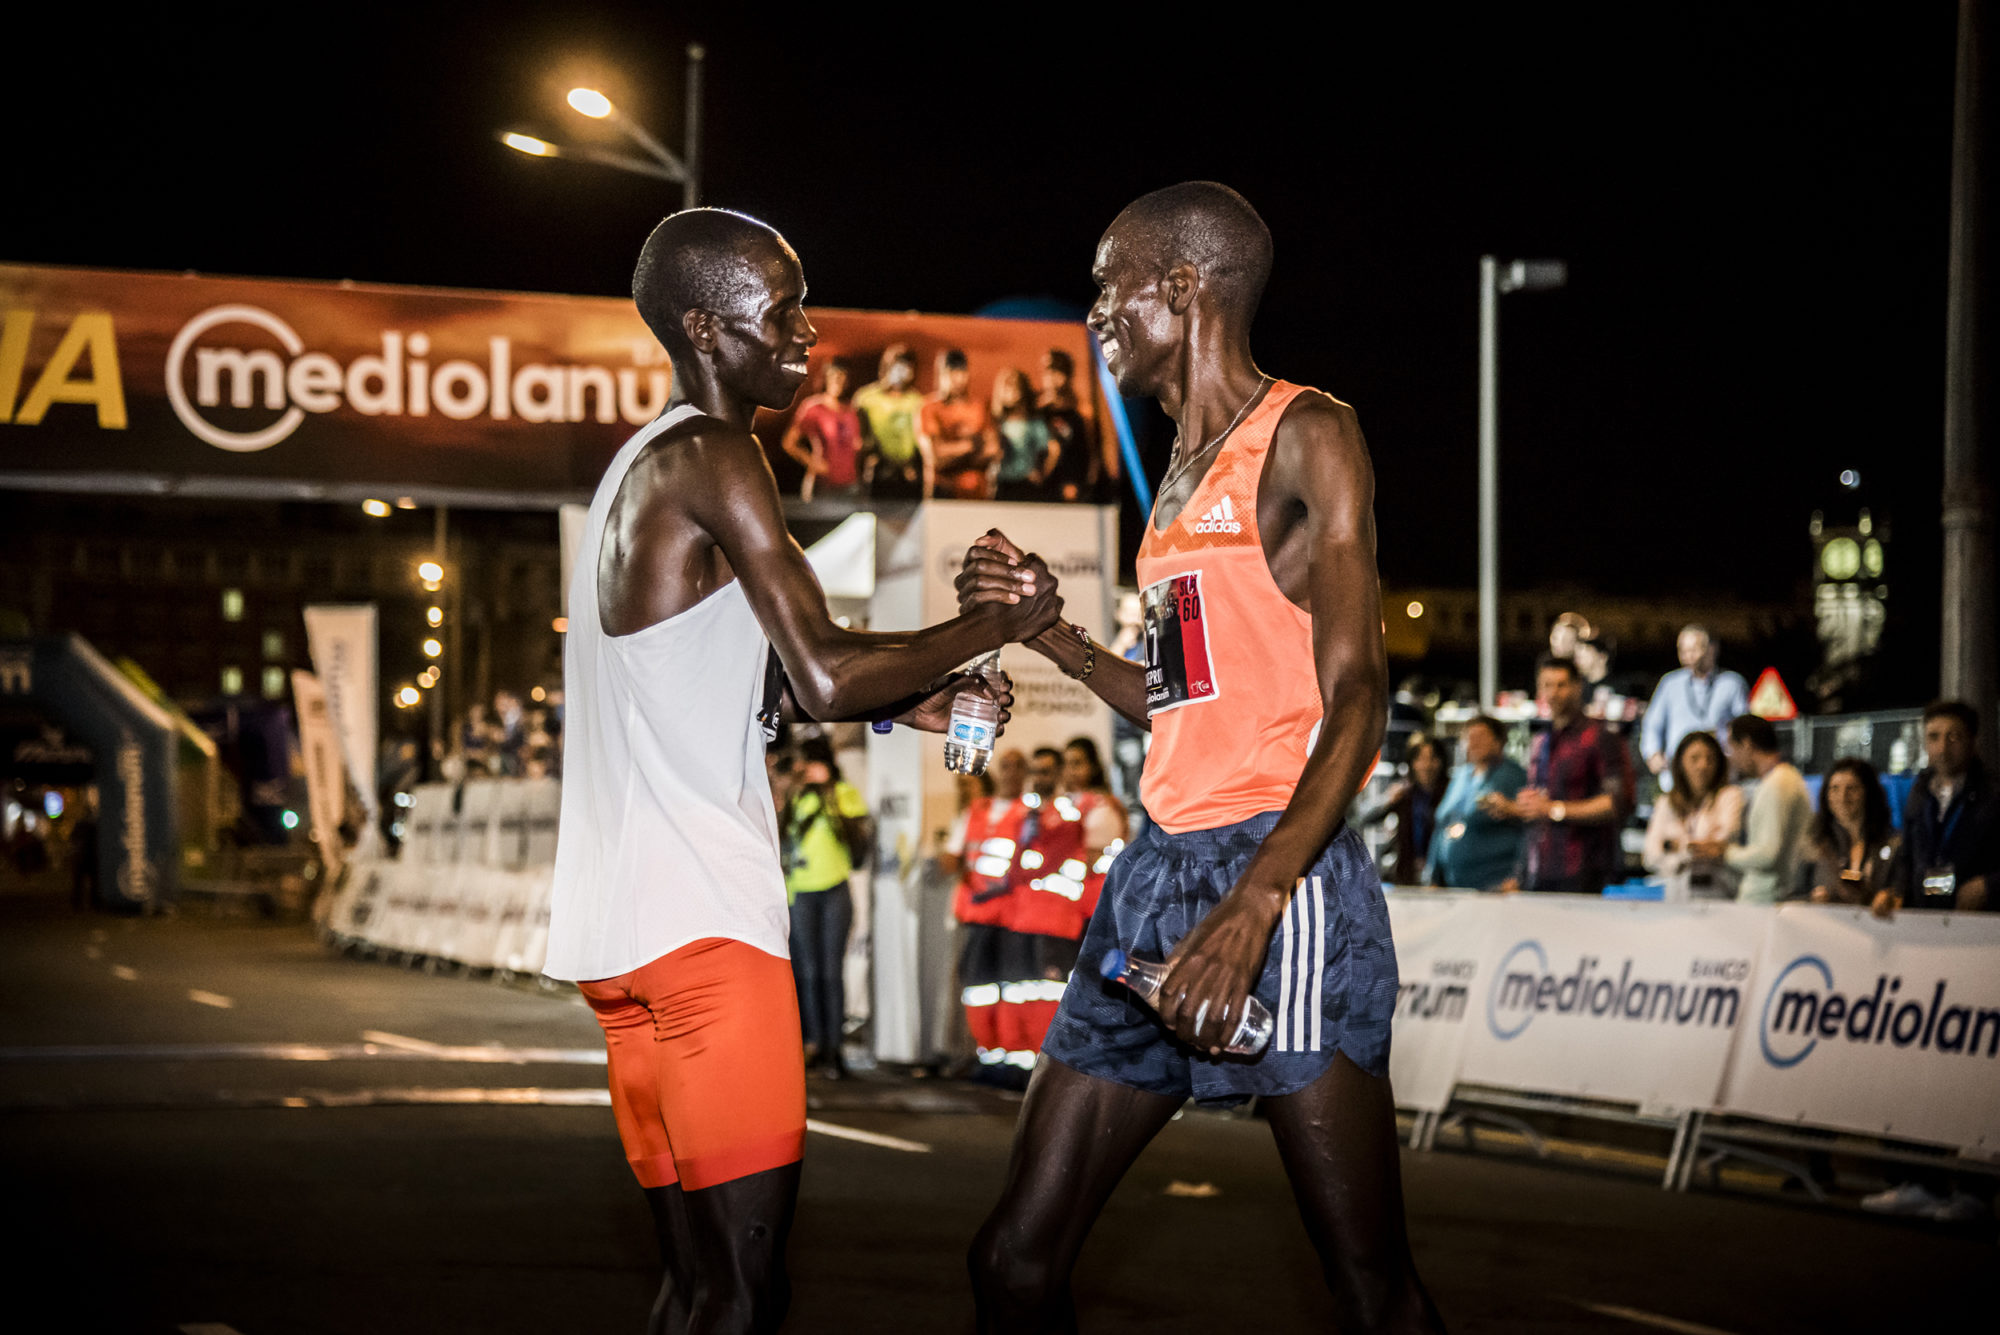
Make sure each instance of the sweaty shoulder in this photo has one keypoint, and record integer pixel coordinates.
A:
(698, 462)
(1318, 453)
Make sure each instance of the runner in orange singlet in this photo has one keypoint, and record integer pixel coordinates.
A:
(1265, 688)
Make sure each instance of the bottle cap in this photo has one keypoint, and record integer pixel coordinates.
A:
(883, 726)
(1113, 963)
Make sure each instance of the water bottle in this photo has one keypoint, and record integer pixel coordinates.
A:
(1253, 1029)
(975, 722)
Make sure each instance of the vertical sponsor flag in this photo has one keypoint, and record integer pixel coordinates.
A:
(341, 640)
(570, 522)
(326, 771)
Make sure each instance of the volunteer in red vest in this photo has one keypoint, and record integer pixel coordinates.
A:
(1105, 822)
(1044, 914)
(986, 848)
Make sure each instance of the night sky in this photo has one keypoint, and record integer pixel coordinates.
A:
(1752, 202)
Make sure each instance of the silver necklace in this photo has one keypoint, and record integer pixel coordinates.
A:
(1187, 461)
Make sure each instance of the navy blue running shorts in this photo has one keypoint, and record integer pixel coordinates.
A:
(1330, 977)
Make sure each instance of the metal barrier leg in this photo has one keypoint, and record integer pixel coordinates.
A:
(1690, 1151)
(1419, 1125)
(1680, 1147)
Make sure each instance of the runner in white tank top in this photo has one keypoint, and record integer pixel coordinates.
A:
(662, 730)
(669, 905)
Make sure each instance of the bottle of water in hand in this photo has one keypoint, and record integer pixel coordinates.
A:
(975, 722)
(1253, 1027)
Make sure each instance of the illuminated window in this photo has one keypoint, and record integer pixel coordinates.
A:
(232, 604)
(274, 644)
(232, 680)
(274, 683)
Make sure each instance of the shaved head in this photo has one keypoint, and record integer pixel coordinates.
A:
(703, 259)
(1209, 226)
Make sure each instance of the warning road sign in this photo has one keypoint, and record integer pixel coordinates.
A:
(1769, 698)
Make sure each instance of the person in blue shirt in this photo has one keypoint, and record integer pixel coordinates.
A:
(1692, 698)
(1473, 846)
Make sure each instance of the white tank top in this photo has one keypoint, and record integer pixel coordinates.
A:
(668, 834)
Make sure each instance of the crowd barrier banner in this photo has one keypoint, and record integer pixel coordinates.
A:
(1637, 1003)
(1440, 948)
(1889, 1028)
(473, 880)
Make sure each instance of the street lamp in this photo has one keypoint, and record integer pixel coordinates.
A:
(661, 162)
(1494, 279)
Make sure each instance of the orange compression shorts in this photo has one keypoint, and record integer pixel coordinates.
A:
(707, 1063)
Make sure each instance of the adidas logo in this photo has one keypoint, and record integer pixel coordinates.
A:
(1221, 519)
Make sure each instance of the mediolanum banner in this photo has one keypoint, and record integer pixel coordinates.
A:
(139, 377)
(148, 383)
(1891, 1028)
(1633, 1002)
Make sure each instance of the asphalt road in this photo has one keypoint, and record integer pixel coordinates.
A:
(215, 1124)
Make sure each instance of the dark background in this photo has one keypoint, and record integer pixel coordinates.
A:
(1752, 201)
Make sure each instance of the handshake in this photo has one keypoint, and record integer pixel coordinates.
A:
(1017, 585)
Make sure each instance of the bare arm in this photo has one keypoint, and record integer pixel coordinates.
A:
(806, 453)
(1319, 457)
(991, 570)
(835, 673)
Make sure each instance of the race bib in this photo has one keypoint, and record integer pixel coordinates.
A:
(1178, 668)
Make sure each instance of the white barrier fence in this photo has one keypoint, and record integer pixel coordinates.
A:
(471, 884)
(1807, 1015)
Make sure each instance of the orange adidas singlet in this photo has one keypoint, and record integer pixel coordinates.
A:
(1231, 686)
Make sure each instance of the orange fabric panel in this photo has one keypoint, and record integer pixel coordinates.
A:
(707, 1064)
(1239, 692)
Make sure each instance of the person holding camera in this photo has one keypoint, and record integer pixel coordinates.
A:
(826, 835)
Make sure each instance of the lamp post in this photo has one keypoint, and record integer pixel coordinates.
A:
(1494, 279)
(660, 162)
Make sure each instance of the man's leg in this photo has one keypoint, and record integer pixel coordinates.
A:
(740, 1229)
(634, 1058)
(836, 924)
(1077, 1137)
(733, 1091)
(670, 1223)
(805, 915)
(1337, 1137)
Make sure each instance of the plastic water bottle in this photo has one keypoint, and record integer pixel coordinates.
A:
(975, 722)
(1253, 1029)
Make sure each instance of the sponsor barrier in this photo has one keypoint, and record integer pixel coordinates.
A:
(1800, 1014)
(1887, 1028)
(472, 883)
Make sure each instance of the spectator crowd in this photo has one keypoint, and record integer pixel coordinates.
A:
(1734, 818)
(1021, 438)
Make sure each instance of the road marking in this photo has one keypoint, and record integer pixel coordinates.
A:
(399, 1041)
(1652, 1319)
(93, 952)
(529, 1097)
(302, 1052)
(125, 971)
(867, 1137)
(215, 999)
(482, 1052)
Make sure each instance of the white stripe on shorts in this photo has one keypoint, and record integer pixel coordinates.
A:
(1285, 978)
(1302, 1004)
(1319, 959)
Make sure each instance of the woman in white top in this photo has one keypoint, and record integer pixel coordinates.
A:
(1700, 806)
